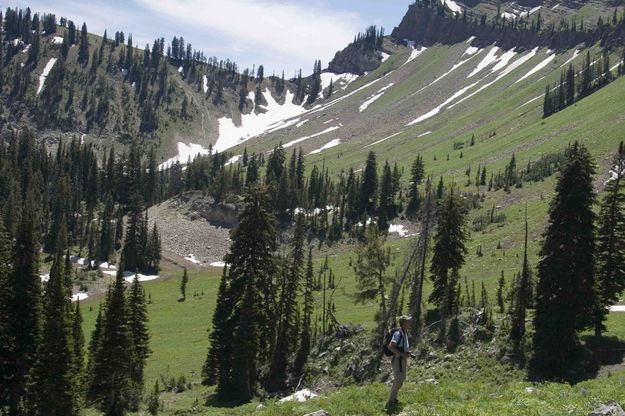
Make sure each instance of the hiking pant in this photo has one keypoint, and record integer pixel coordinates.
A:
(400, 367)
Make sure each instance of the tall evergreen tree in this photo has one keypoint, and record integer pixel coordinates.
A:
(519, 300)
(449, 252)
(25, 303)
(111, 385)
(308, 309)
(6, 337)
(54, 380)
(417, 172)
(137, 322)
(183, 285)
(566, 288)
(611, 242)
(287, 307)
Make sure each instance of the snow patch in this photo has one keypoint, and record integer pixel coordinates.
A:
(400, 229)
(301, 123)
(130, 276)
(384, 56)
(326, 146)
(299, 396)
(233, 159)
(504, 60)
(191, 258)
(537, 68)
(274, 117)
(384, 139)
(424, 134)
(81, 261)
(185, 152)
(45, 277)
(415, 52)
(453, 6)
(438, 108)
(338, 80)
(218, 264)
(471, 50)
(374, 97)
(79, 296)
(301, 139)
(205, 83)
(489, 59)
(617, 308)
(575, 54)
(57, 40)
(44, 74)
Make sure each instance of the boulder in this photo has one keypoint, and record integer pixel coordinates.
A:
(611, 408)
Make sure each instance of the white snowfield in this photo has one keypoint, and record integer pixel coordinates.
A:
(339, 81)
(384, 56)
(274, 116)
(191, 258)
(401, 230)
(374, 97)
(301, 139)
(453, 6)
(332, 143)
(79, 296)
(186, 152)
(488, 60)
(44, 74)
(299, 396)
(538, 67)
(415, 52)
(438, 108)
(130, 276)
(384, 139)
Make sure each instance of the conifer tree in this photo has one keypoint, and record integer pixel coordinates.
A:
(6, 338)
(520, 299)
(78, 346)
(308, 309)
(449, 251)
(417, 174)
(501, 287)
(286, 324)
(24, 303)
(385, 208)
(83, 49)
(611, 242)
(566, 286)
(218, 365)
(183, 285)
(111, 387)
(370, 268)
(54, 380)
(369, 188)
(137, 322)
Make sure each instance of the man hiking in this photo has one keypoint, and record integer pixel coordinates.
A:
(400, 347)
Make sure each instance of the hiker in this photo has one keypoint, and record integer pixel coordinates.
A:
(400, 347)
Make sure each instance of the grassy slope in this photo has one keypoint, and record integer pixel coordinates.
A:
(179, 338)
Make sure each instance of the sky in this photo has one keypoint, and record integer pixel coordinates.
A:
(280, 34)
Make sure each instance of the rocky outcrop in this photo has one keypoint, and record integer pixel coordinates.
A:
(427, 26)
(354, 60)
(611, 408)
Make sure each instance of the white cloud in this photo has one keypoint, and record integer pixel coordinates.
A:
(294, 34)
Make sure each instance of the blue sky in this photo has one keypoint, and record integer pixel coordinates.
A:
(281, 34)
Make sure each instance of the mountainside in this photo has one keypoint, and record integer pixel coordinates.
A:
(456, 169)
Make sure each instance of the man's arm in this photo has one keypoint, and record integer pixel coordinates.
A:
(392, 346)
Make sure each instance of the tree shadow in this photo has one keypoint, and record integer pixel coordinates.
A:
(606, 350)
(213, 401)
(395, 409)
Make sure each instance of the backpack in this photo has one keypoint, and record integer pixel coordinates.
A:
(387, 340)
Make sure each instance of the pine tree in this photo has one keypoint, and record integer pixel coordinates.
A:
(24, 303)
(137, 322)
(566, 286)
(218, 365)
(611, 242)
(54, 379)
(249, 301)
(78, 346)
(183, 285)
(501, 287)
(308, 309)
(286, 331)
(6, 339)
(111, 387)
(369, 188)
(371, 279)
(134, 243)
(519, 300)
(83, 49)
(385, 208)
(449, 251)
